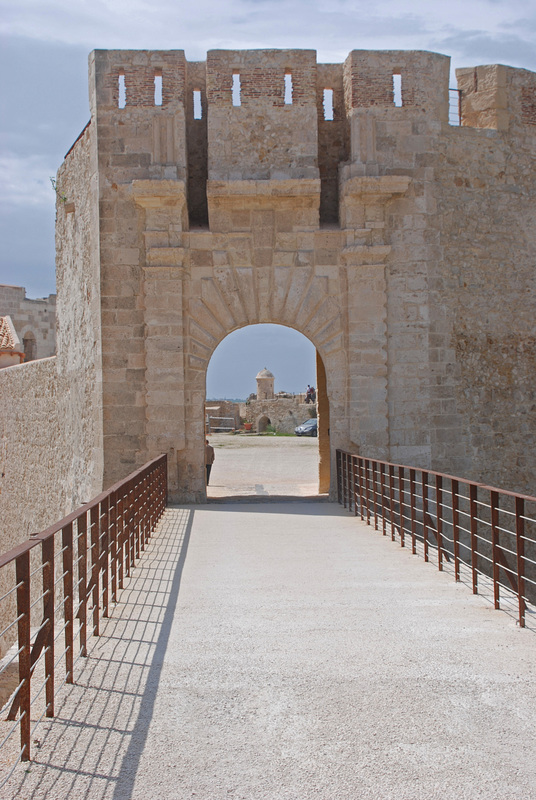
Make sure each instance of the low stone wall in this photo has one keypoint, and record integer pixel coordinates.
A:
(284, 414)
(49, 464)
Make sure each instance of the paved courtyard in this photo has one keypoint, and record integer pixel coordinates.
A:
(263, 466)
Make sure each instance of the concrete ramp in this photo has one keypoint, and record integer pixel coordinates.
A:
(285, 652)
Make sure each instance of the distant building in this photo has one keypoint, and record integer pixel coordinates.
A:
(33, 320)
(265, 385)
(10, 347)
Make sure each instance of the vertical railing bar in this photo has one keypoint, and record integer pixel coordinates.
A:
(520, 558)
(104, 554)
(454, 487)
(112, 518)
(339, 474)
(95, 525)
(382, 490)
(494, 503)
(392, 500)
(68, 600)
(374, 492)
(367, 496)
(439, 519)
(47, 560)
(137, 516)
(401, 503)
(22, 570)
(473, 526)
(354, 483)
(361, 504)
(82, 581)
(345, 480)
(424, 486)
(412, 509)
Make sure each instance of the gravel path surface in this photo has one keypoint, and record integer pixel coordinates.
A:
(286, 652)
(263, 466)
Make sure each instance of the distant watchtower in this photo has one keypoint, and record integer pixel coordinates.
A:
(265, 385)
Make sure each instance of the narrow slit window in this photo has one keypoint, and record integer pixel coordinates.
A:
(198, 108)
(397, 90)
(328, 105)
(158, 89)
(288, 89)
(122, 101)
(237, 100)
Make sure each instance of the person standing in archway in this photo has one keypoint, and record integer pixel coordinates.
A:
(209, 458)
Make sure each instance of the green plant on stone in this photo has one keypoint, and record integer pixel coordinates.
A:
(61, 195)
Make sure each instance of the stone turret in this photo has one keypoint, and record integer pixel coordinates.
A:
(265, 385)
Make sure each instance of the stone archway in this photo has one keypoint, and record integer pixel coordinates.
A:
(262, 423)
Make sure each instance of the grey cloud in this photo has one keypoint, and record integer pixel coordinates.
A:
(476, 47)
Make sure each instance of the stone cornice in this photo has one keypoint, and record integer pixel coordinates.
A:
(380, 188)
(154, 194)
(267, 188)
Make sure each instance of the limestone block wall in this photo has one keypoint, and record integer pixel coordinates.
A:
(284, 414)
(264, 129)
(34, 320)
(397, 243)
(79, 342)
(487, 280)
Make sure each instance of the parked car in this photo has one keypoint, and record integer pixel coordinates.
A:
(308, 428)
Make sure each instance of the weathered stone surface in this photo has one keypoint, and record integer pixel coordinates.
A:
(402, 246)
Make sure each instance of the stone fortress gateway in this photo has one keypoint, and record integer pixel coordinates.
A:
(261, 186)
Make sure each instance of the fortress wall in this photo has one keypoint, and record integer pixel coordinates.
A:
(264, 137)
(32, 451)
(375, 294)
(142, 222)
(488, 282)
(79, 341)
(51, 423)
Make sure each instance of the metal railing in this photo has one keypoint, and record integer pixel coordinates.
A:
(455, 107)
(491, 531)
(72, 571)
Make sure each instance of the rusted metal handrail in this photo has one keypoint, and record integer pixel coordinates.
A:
(84, 559)
(490, 530)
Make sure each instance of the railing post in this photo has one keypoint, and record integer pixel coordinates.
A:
(82, 581)
(455, 527)
(494, 503)
(520, 557)
(360, 470)
(401, 503)
(367, 495)
(112, 519)
(339, 476)
(120, 522)
(473, 512)
(374, 468)
(47, 561)
(439, 519)
(344, 478)
(382, 491)
(104, 553)
(424, 486)
(392, 499)
(136, 505)
(95, 525)
(22, 571)
(412, 509)
(68, 604)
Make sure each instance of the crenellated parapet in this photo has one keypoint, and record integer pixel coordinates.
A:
(342, 200)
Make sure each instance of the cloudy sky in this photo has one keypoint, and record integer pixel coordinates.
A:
(43, 65)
